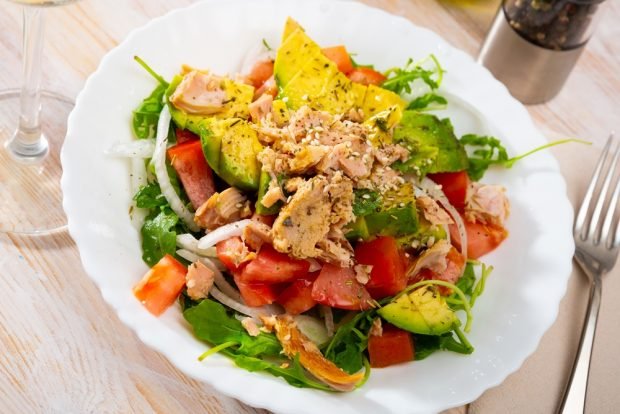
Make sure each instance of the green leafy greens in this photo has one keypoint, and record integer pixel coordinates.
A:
(485, 151)
(214, 324)
(347, 346)
(400, 80)
(146, 115)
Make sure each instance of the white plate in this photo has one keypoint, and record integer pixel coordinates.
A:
(532, 266)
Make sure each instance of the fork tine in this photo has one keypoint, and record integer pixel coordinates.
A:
(579, 228)
(607, 235)
(593, 233)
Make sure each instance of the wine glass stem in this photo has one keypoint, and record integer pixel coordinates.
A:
(28, 143)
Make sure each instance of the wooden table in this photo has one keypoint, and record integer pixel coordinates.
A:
(64, 350)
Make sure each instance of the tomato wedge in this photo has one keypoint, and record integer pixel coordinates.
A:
(481, 238)
(161, 285)
(271, 266)
(185, 135)
(388, 276)
(454, 185)
(196, 176)
(261, 71)
(394, 346)
(340, 56)
(230, 251)
(257, 294)
(366, 76)
(455, 263)
(338, 288)
(297, 297)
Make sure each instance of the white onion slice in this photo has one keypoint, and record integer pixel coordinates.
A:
(159, 161)
(233, 304)
(328, 317)
(142, 148)
(223, 233)
(189, 242)
(313, 328)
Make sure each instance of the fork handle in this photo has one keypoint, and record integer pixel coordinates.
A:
(574, 399)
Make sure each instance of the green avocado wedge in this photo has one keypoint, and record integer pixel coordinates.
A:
(432, 145)
(230, 147)
(305, 76)
(422, 311)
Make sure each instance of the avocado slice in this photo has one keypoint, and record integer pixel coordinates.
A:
(263, 186)
(230, 147)
(297, 50)
(382, 123)
(425, 231)
(238, 98)
(431, 143)
(378, 99)
(357, 230)
(397, 214)
(306, 76)
(423, 311)
(289, 27)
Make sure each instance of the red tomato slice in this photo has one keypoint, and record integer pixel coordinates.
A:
(340, 56)
(394, 346)
(455, 262)
(271, 266)
(161, 285)
(338, 288)
(387, 277)
(196, 176)
(229, 252)
(366, 76)
(454, 185)
(297, 297)
(257, 294)
(261, 71)
(481, 238)
(185, 135)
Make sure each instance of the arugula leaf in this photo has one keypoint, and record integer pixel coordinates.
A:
(150, 196)
(213, 324)
(426, 345)
(158, 235)
(399, 80)
(347, 346)
(485, 151)
(365, 202)
(146, 115)
(466, 282)
(427, 102)
(294, 373)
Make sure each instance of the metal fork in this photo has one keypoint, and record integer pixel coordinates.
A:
(596, 251)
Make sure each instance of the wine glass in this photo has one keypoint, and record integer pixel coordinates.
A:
(32, 128)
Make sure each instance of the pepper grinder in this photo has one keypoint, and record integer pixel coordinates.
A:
(533, 45)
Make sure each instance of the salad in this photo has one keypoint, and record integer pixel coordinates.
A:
(312, 217)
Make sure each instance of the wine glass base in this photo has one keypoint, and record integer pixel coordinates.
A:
(30, 194)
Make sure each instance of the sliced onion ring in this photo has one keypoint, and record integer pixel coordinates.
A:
(223, 233)
(159, 162)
